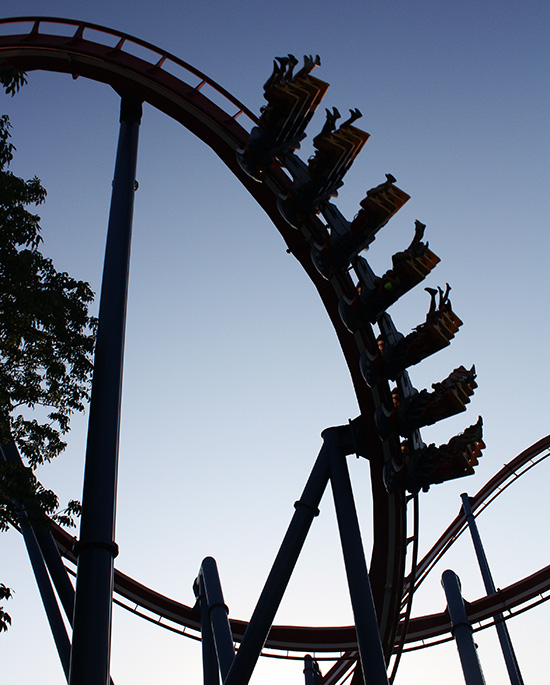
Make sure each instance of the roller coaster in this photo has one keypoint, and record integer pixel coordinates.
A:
(298, 198)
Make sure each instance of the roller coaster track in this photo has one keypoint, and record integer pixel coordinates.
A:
(425, 629)
(135, 67)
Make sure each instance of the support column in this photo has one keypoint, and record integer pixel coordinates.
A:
(312, 672)
(462, 630)
(96, 548)
(210, 668)
(364, 612)
(49, 600)
(281, 571)
(10, 453)
(512, 665)
(218, 615)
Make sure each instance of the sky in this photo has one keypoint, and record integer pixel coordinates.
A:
(232, 369)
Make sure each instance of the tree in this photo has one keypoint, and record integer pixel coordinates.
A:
(47, 339)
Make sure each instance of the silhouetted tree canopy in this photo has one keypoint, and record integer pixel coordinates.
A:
(47, 339)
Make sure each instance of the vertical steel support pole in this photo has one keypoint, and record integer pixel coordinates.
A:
(281, 571)
(96, 548)
(462, 630)
(364, 612)
(210, 668)
(218, 616)
(312, 674)
(512, 665)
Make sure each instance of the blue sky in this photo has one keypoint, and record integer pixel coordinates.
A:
(232, 369)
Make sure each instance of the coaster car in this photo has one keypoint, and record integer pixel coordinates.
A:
(425, 408)
(410, 267)
(417, 469)
(291, 102)
(376, 210)
(378, 207)
(436, 333)
(335, 152)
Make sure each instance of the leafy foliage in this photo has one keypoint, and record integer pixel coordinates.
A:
(46, 334)
(24, 501)
(11, 78)
(47, 340)
(5, 620)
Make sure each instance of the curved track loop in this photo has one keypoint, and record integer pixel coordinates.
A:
(528, 591)
(61, 45)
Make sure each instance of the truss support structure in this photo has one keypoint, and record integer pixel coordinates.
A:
(237, 669)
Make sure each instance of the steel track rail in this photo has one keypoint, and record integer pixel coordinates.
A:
(320, 639)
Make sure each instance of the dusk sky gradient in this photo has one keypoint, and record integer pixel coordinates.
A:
(232, 368)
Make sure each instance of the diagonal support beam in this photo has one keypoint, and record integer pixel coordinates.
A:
(508, 652)
(42, 549)
(10, 453)
(281, 571)
(364, 612)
